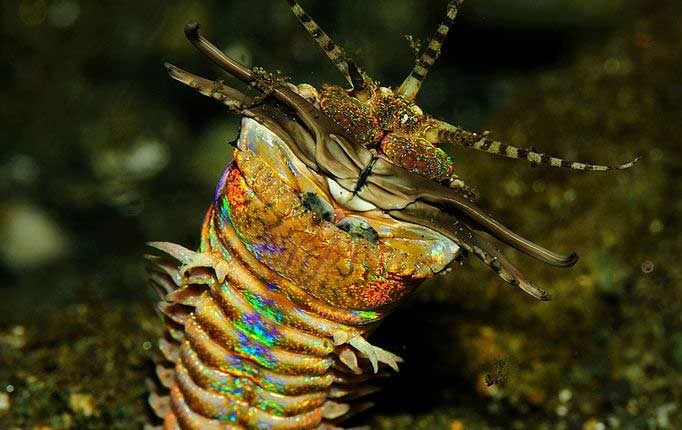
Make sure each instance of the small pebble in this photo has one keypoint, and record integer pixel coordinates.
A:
(83, 404)
(20, 225)
(4, 403)
(457, 425)
(593, 424)
(565, 396)
(648, 266)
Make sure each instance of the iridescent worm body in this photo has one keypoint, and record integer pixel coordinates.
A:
(337, 205)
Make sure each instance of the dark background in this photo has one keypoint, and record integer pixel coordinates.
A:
(101, 152)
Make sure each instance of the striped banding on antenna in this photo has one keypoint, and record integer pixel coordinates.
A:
(333, 51)
(467, 139)
(409, 89)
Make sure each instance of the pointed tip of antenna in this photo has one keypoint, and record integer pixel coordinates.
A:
(171, 70)
(192, 30)
(545, 297)
(570, 260)
(630, 164)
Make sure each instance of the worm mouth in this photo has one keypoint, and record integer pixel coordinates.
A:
(348, 199)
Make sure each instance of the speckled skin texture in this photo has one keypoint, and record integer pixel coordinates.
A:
(334, 266)
(396, 126)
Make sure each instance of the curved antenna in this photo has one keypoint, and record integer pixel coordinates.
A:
(464, 235)
(230, 97)
(458, 136)
(225, 62)
(334, 52)
(393, 188)
(410, 87)
(303, 109)
(484, 222)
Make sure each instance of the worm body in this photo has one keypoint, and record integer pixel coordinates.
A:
(337, 204)
(267, 322)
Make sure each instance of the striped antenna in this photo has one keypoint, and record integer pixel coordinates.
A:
(409, 89)
(455, 135)
(357, 79)
(333, 51)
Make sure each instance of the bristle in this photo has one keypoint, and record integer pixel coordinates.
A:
(333, 410)
(352, 392)
(159, 404)
(166, 376)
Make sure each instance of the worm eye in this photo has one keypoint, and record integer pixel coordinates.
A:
(358, 228)
(322, 211)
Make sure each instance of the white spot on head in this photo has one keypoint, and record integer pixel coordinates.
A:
(347, 199)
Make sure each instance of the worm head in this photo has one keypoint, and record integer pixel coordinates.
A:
(368, 160)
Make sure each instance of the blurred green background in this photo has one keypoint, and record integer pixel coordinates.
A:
(102, 152)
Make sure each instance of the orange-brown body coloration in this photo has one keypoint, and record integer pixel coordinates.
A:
(333, 265)
(266, 324)
(338, 203)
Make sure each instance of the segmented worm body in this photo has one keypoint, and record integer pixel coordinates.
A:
(337, 204)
